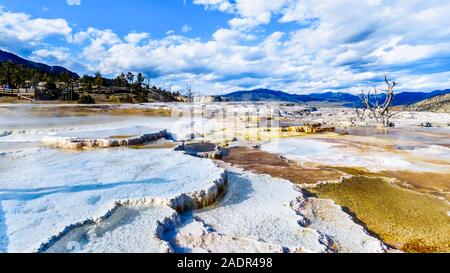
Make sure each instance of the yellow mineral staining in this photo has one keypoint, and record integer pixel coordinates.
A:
(356, 171)
(425, 182)
(407, 220)
(152, 112)
(286, 131)
(155, 145)
(256, 129)
(122, 137)
(433, 183)
(309, 128)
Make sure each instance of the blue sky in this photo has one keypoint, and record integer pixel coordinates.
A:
(299, 46)
(155, 17)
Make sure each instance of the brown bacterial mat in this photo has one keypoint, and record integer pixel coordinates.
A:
(266, 163)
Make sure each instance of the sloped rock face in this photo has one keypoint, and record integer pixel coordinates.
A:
(437, 104)
(76, 144)
(328, 218)
(202, 198)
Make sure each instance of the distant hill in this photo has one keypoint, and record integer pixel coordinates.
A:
(263, 95)
(279, 96)
(439, 104)
(54, 70)
(408, 98)
(339, 98)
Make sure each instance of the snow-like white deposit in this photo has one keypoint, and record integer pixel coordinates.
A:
(262, 214)
(130, 229)
(257, 207)
(346, 117)
(325, 153)
(436, 151)
(328, 218)
(74, 127)
(42, 190)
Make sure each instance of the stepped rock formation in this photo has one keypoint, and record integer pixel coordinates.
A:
(76, 143)
(147, 220)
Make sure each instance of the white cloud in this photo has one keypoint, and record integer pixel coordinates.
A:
(135, 38)
(249, 13)
(325, 52)
(394, 52)
(73, 2)
(221, 5)
(254, 8)
(186, 28)
(334, 53)
(55, 56)
(230, 36)
(323, 46)
(20, 30)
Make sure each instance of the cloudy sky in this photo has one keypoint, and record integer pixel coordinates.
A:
(298, 46)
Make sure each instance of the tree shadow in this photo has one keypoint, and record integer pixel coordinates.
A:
(31, 194)
(4, 241)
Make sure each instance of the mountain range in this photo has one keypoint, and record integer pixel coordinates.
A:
(54, 70)
(338, 98)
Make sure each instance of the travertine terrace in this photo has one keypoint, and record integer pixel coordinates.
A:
(218, 178)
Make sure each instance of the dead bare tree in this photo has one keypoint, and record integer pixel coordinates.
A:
(373, 109)
(189, 93)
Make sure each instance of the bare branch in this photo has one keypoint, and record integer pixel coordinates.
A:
(381, 113)
(189, 93)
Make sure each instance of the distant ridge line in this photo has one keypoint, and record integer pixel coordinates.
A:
(340, 98)
(53, 70)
